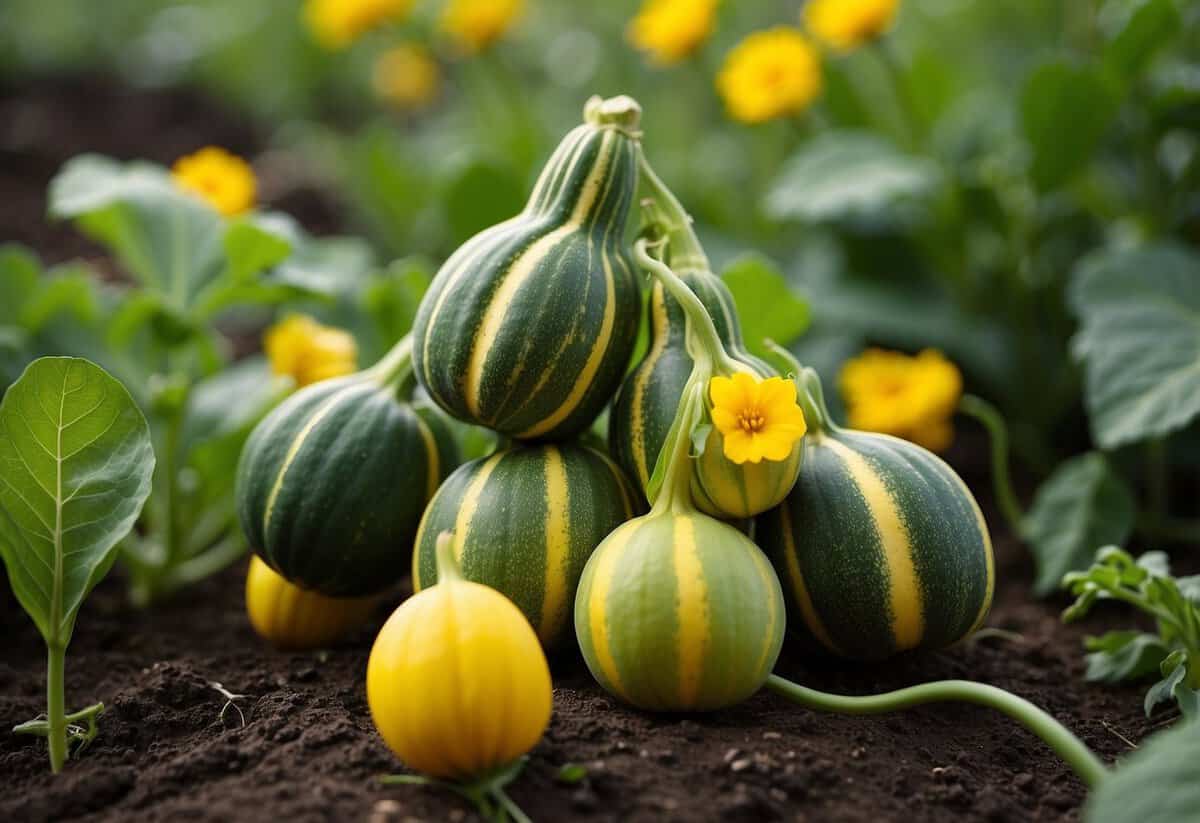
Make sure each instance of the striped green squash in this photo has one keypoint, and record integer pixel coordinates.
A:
(677, 611)
(525, 520)
(649, 397)
(880, 546)
(528, 327)
(332, 483)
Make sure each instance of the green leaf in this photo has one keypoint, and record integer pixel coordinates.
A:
(1173, 686)
(255, 243)
(1139, 342)
(168, 239)
(76, 465)
(391, 299)
(571, 773)
(1155, 784)
(1084, 504)
(768, 308)
(1123, 655)
(850, 175)
(328, 267)
(1138, 28)
(19, 272)
(1065, 111)
(479, 195)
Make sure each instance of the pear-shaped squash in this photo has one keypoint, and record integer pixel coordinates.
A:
(528, 327)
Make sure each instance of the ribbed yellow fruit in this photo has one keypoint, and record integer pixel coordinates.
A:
(290, 617)
(457, 682)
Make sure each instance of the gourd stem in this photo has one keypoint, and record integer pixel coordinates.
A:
(991, 419)
(395, 369)
(663, 209)
(675, 492)
(700, 329)
(447, 564)
(809, 393)
(1065, 744)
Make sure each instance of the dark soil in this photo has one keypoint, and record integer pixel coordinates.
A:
(307, 750)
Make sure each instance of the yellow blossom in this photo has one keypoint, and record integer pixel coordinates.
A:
(770, 74)
(338, 23)
(846, 24)
(476, 24)
(225, 180)
(306, 351)
(670, 30)
(910, 397)
(759, 419)
(406, 76)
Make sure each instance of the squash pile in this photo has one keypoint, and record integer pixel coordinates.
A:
(528, 329)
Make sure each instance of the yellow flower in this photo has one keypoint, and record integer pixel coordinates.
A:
(476, 24)
(406, 76)
(759, 419)
(307, 351)
(225, 180)
(910, 397)
(846, 24)
(670, 30)
(338, 23)
(770, 74)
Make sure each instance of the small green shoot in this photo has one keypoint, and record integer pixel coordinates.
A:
(75, 469)
(486, 793)
(1173, 653)
(571, 773)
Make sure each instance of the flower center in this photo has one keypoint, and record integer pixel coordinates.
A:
(751, 420)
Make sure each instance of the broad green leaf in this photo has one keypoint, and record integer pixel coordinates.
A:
(1155, 784)
(325, 267)
(850, 175)
(230, 400)
(1173, 686)
(1139, 342)
(168, 239)
(75, 468)
(19, 271)
(768, 308)
(255, 243)
(1083, 505)
(1138, 28)
(1065, 110)
(1123, 655)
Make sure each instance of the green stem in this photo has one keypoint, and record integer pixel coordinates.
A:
(447, 564)
(395, 369)
(707, 349)
(1065, 744)
(56, 701)
(507, 804)
(991, 419)
(663, 209)
(674, 492)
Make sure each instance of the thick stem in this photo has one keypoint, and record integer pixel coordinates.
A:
(1065, 744)
(56, 702)
(700, 328)
(663, 209)
(674, 493)
(447, 564)
(991, 419)
(395, 369)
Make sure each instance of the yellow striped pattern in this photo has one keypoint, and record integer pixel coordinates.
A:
(659, 332)
(811, 619)
(606, 561)
(692, 610)
(906, 604)
(294, 448)
(558, 541)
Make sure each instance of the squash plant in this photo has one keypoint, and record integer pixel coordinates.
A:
(196, 278)
(77, 463)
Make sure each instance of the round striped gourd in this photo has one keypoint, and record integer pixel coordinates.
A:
(525, 520)
(332, 483)
(528, 327)
(679, 612)
(880, 546)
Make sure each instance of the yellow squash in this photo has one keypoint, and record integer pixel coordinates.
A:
(457, 682)
(290, 617)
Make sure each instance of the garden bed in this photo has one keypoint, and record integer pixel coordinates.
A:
(308, 750)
